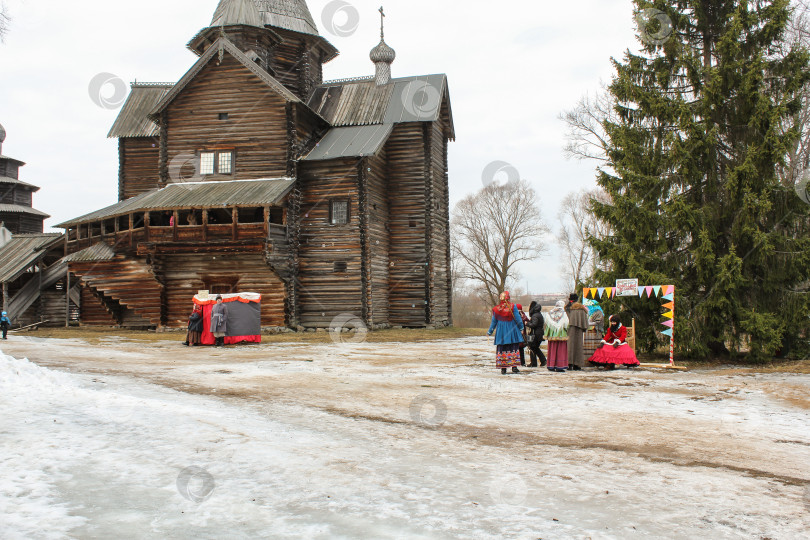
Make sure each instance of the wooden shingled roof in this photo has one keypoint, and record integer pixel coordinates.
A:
(133, 120)
(361, 102)
(287, 14)
(22, 251)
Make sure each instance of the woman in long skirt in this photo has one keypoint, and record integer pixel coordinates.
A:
(508, 327)
(195, 327)
(614, 350)
(557, 336)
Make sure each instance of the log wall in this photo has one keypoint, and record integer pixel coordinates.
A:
(439, 270)
(256, 128)
(323, 292)
(183, 275)
(407, 222)
(93, 312)
(378, 239)
(139, 166)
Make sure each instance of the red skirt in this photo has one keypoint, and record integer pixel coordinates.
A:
(622, 355)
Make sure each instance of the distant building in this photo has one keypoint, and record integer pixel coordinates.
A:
(16, 198)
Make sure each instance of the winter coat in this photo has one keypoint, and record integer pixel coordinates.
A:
(5, 322)
(507, 332)
(537, 325)
(195, 322)
(219, 319)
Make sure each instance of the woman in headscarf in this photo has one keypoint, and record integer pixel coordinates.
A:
(219, 321)
(537, 325)
(508, 327)
(195, 327)
(557, 336)
(614, 350)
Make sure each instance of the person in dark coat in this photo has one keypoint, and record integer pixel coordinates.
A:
(219, 322)
(5, 324)
(525, 331)
(577, 326)
(537, 325)
(195, 327)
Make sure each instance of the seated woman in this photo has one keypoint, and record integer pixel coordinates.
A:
(614, 350)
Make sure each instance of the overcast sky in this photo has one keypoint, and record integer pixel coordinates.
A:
(513, 66)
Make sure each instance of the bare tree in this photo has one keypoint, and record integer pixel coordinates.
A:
(577, 226)
(586, 137)
(495, 229)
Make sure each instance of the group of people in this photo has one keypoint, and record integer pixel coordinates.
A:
(564, 328)
(219, 324)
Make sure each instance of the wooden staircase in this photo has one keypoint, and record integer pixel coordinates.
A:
(129, 283)
(30, 292)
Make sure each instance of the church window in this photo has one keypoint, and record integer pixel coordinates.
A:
(207, 163)
(225, 163)
(339, 212)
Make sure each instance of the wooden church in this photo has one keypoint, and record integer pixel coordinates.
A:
(251, 173)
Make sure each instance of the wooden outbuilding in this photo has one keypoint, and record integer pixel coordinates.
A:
(253, 174)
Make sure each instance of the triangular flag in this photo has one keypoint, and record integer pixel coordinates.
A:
(669, 297)
(667, 332)
(601, 291)
(640, 292)
(649, 291)
(656, 289)
(670, 306)
(668, 324)
(610, 292)
(669, 315)
(585, 293)
(670, 289)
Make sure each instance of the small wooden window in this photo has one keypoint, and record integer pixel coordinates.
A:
(339, 212)
(216, 163)
(223, 116)
(341, 267)
(207, 162)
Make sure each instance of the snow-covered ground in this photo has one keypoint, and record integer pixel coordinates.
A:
(154, 440)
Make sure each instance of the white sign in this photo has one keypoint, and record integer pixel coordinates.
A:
(627, 287)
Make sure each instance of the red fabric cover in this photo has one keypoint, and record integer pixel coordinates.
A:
(224, 301)
(209, 339)
(622, 355)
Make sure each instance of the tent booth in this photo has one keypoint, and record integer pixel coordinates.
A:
(244, 317)
(630, 288)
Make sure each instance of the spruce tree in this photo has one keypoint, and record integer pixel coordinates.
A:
(705, 120)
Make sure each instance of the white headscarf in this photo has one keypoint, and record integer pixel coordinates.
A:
(557, 317)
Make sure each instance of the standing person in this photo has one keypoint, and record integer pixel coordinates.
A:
(219, 321)
(5, 323)
(614, 350)
(577, 326)
(557, 336)
(537, 325)
(525, 320)
(507, 325)
(195, 327)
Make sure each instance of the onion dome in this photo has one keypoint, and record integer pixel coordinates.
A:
(383, 56)
(2, 137)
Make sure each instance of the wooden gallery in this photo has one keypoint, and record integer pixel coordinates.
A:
(253, 174)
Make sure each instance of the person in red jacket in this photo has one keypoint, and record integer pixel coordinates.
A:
(614, 350)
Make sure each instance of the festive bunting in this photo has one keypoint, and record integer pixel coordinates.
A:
(640, 292)
(669, 297)
(669, 315)
(667, 332)
(601, 291)
(668, 324)
(656, 289)
(609, 292)
(670, 306)
(670, 289)
(649, 291)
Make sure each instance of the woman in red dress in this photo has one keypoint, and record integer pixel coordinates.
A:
(614, 350)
